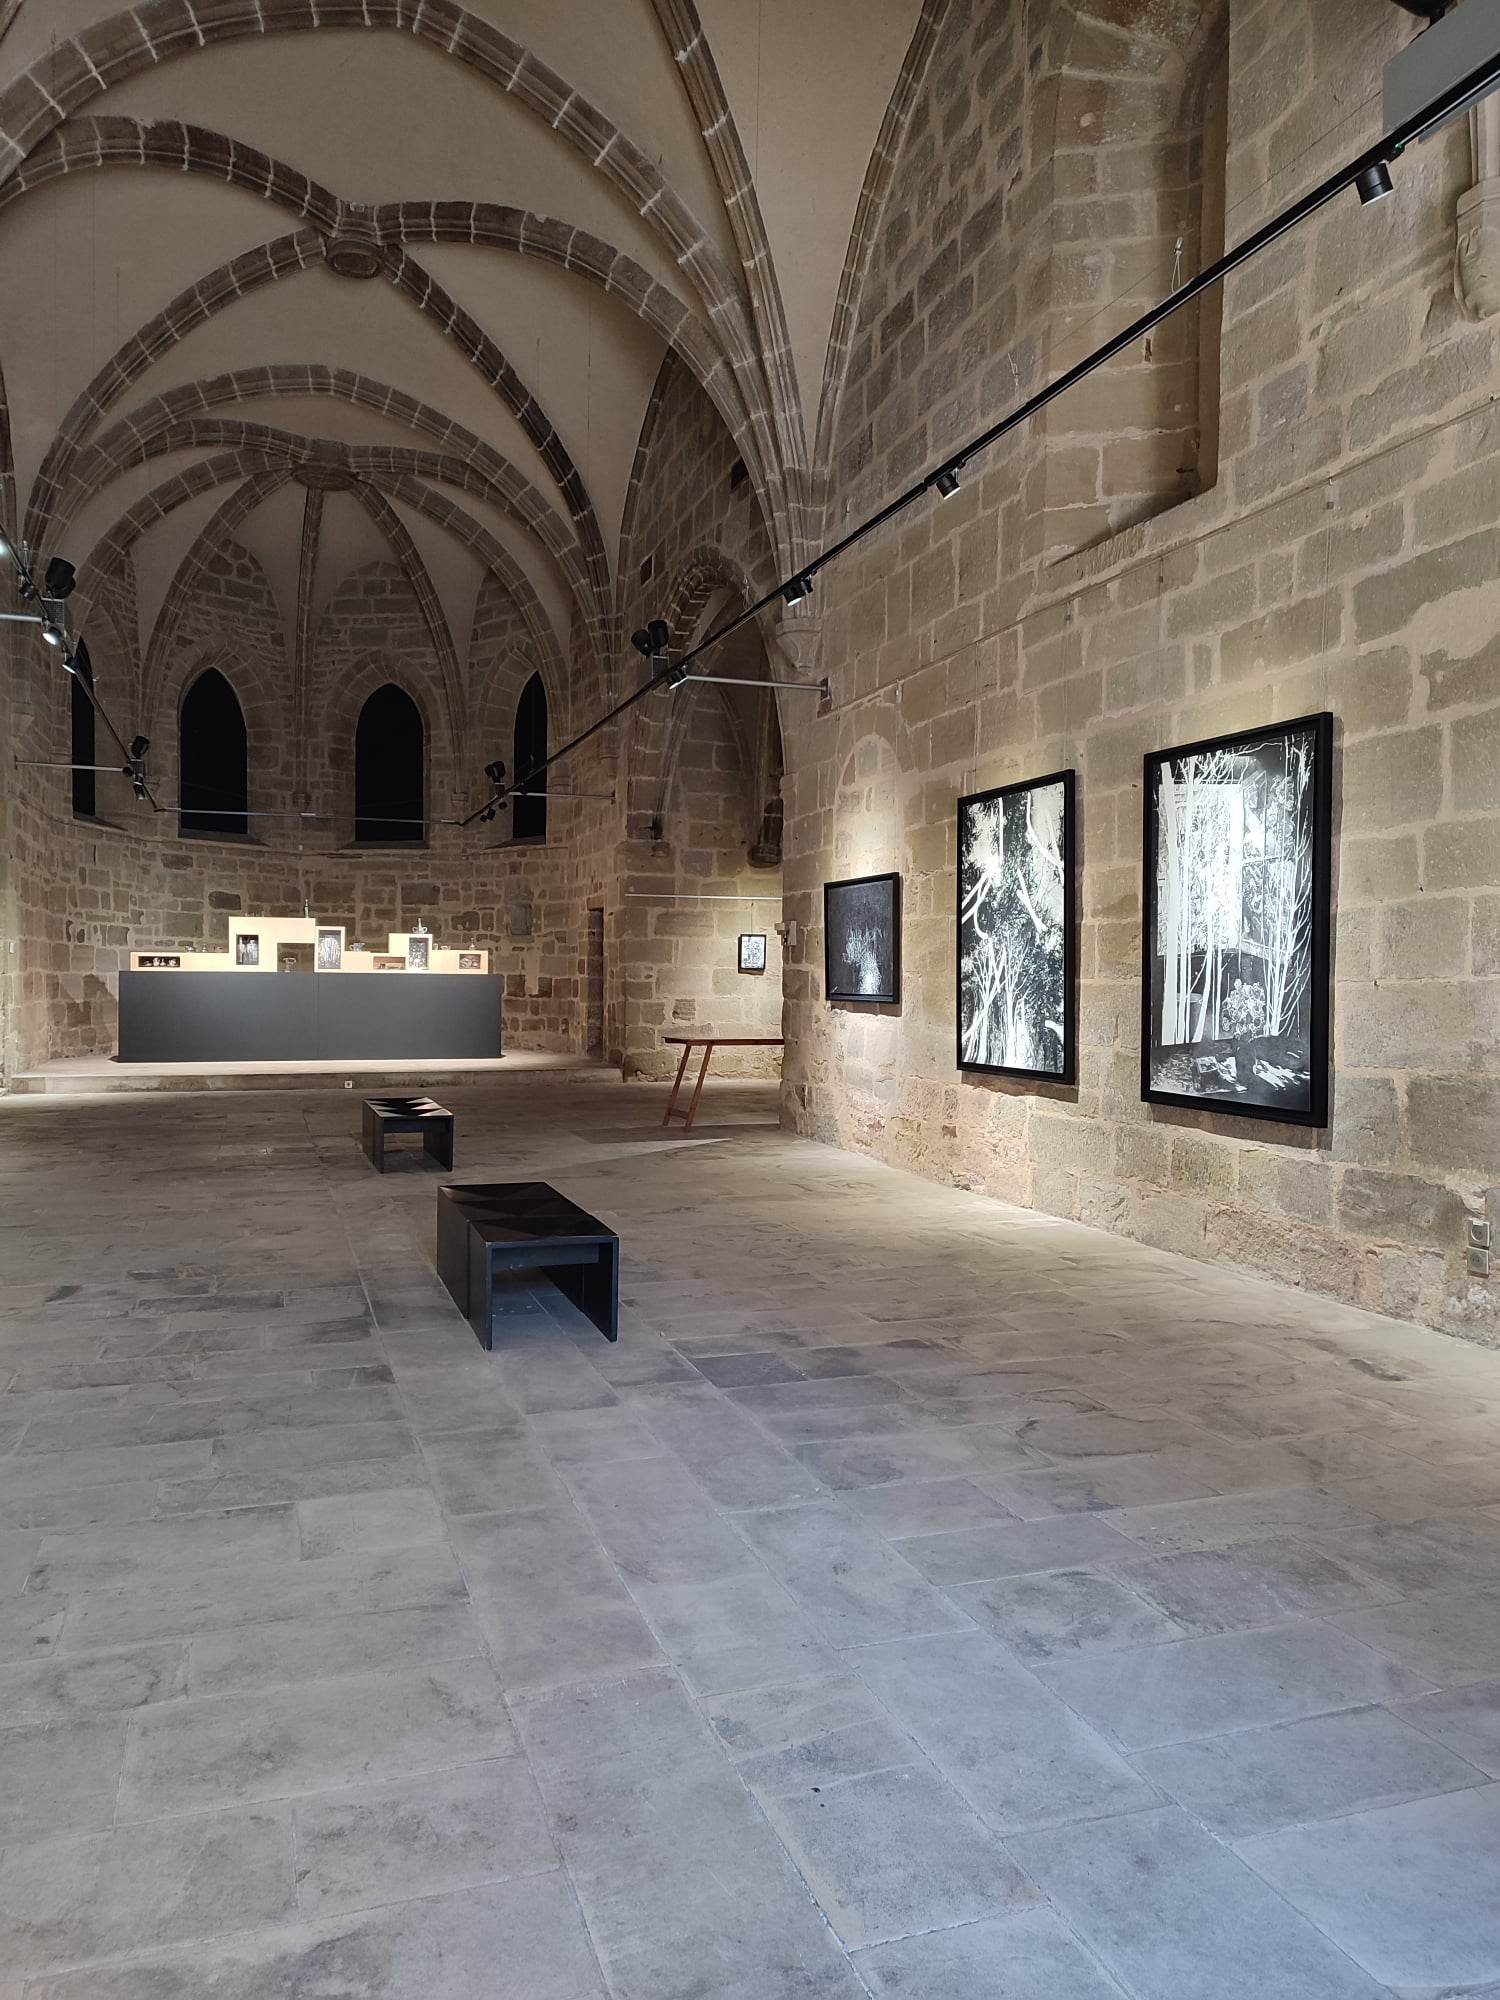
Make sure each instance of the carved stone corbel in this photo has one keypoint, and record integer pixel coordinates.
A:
(1476, 262)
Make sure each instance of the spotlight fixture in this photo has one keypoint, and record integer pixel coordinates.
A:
(52, 633)
(945, 483)
(796, 590)
(673, 674)
(139, 745)
(652, 638)
(495, 772)
(138, 786)
(5, 545)
(60, 579)
(80, 664)
(1374, 184)
(487, 815)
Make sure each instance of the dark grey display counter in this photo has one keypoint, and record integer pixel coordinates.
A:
(308, 1016)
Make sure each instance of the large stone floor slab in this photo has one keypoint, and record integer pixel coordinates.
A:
(923, 1599)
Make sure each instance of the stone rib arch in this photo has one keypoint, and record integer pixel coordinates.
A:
(501, 481)
(414, 569)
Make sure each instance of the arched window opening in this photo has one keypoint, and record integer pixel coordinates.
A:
(213, 772)
(81, 753)
(529, 809)
(389, 792)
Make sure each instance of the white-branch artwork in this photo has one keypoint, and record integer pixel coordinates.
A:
(1015, 929)
(862, 938)
(1236, 938)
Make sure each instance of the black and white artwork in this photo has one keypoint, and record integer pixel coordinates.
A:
(1234, 990)
(1016, 930)
(330, 950)
(159, 961)
(470, 961)
(752, 951)
(416, 952)
(862, 939)
(246, 949)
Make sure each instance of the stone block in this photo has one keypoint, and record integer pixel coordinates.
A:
(1427, 938)
(1391, 780)
(1373, 868)
(1282, 638)
(1202, 1166)
(1373, 691)
(1475, 758)
(1299, 1188)
(1399, 1207)
(1432, 1024)
(1366, 1121)
(1485, 942)
(1455, 1123)
(1390, 601)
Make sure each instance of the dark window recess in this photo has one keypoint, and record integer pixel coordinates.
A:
(648, 569)
(213, 773)
(739, 472)
(528, 820)
(85, 784)
(389, 798)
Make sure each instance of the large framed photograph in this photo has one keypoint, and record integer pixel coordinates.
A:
(1017, 931)
(1234, 985)
(862, 939)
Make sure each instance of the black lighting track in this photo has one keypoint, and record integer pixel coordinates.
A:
(943, 479)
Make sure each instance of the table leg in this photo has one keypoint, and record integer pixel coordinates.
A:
(681, 1072)
(692, 1110)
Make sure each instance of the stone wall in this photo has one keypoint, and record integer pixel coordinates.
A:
(1344, 558)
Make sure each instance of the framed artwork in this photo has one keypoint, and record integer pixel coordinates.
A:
(247, 949)
(862, 939)
(1017, 931)
(1234, 976)
(752, 951)
(387, 962)
(330, 950)
(416, 952)
(471, 961)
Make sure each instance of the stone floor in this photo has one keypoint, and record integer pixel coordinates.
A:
(923, 1599)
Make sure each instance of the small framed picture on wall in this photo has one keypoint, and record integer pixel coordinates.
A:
(862, 939)
(752, 951)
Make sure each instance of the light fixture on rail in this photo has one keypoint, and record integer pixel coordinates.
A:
(5, 545)
(673, 673)
(78, 662)
(944, 483)
(797, 589)
(1374, 184)
(60, 580)
(495, 772)
(652, 639)
(52, 633)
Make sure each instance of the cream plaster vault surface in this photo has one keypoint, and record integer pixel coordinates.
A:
(925, 1597)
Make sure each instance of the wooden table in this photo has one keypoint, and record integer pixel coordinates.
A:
(708, 1043)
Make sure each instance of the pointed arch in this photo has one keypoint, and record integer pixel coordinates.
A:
(213, 759)
(529, 741)
(390, 768)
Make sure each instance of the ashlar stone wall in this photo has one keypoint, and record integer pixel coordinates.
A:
(1346, 556)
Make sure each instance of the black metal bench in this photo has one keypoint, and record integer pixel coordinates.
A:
(384, 1115)
(515, 1225)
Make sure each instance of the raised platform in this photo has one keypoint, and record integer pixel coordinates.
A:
(91, 1075)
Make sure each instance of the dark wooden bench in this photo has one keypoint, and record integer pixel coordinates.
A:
(519, 1225)
(384, 1115)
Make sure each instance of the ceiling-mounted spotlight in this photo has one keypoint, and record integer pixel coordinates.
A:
(139, 745)
(652, 638)
(487, 815)
(945, 483)
(1374, 183)
(495, 772)
(673, 674)
(138, 786)
(796, 590)
(52, 633)
(60, 579)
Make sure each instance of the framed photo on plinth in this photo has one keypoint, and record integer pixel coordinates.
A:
(1018, 932)
(417, 948)
(1238, 834)
(246, 948)
(330, 955)
(862, 939)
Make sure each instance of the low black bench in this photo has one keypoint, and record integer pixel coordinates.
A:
(384, 1115)
(510, 1225)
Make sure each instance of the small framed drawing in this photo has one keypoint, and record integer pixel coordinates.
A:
(752, 951)
(416, 951)
(862, 939)
(388, 962)
(247, 949)
(1017, 931)
(471, 961)
(1234, 976)
(330, 950)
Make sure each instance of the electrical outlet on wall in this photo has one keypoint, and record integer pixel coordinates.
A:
(1479, 1232)
(1479, 1263)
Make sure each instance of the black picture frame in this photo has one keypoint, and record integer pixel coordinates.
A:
(881, 896)
(969, 807)
(247, 948)
(1242, 1081)
(749, 959)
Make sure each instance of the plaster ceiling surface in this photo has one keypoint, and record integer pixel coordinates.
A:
(374, 117)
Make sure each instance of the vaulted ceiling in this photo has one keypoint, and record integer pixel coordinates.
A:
(394, 279)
